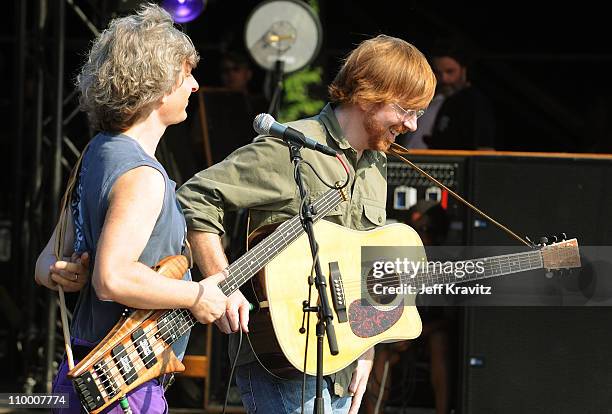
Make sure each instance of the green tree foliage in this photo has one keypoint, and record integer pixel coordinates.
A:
(297, 100)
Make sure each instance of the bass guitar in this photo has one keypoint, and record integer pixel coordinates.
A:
(138, 348)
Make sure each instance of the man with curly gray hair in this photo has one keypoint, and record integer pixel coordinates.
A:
(123, 210)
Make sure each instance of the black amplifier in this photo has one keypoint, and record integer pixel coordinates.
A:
(406, 186)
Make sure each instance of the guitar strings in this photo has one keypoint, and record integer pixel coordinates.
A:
(294, 228)
(292, 231)
(239, 267)
(104, 362)
(503, 263)
(499, 261)
(156, 341)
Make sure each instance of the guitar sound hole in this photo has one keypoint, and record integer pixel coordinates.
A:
(382, 290)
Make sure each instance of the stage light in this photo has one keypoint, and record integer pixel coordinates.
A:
(183, 11)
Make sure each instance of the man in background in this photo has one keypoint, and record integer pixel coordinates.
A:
(460, 116)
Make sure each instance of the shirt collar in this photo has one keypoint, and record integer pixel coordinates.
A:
(328, 118)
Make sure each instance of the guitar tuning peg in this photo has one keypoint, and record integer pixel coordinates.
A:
(563, 236)
(543, 241)
(554, 239)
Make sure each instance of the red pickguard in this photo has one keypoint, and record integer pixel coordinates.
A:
(367, 321)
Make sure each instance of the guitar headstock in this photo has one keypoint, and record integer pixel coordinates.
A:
(561, 255)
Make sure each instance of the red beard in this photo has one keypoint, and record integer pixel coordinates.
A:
(377, 133)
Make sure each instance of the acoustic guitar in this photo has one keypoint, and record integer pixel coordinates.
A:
(362, 318)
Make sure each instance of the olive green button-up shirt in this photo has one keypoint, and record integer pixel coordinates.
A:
(259, 176)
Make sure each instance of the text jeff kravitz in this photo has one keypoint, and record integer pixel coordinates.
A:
(435, 289)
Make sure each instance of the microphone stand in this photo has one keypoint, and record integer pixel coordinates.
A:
(323, 310)
(277, 76)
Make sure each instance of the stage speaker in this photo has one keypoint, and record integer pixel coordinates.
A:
(537, 360)
(541, 196)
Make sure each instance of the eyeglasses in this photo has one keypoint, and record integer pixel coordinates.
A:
(407, 114)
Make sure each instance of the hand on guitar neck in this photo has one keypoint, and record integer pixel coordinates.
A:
(210, 304)
(236, 314)
(209, 256)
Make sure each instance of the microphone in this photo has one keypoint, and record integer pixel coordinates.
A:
(264, 124)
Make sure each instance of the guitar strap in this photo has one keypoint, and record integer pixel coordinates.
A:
(398, 151)
(187, 251)
(58, 249)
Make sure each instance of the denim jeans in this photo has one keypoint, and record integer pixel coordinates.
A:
(263, 393)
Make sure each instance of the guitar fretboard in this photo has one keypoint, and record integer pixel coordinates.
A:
(484, 268)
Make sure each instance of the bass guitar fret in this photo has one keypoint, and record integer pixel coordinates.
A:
(167, 328)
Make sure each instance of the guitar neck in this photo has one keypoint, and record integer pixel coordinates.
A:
(174, 323)
(258, 257)
(483, 268)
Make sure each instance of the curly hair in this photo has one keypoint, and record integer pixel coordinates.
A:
(132, 64)
(384, 69)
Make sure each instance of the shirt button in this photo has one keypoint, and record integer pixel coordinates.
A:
(379, 219)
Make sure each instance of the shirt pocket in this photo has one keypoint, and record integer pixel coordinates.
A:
(373, 215)
(335, 212)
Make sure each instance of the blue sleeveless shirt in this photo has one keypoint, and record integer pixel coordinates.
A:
(106, 159)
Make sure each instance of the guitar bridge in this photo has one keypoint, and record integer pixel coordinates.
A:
(106, 378)
(88, 392)
(337, 291)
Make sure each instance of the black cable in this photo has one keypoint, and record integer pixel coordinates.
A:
(229, 382)
(346, 181)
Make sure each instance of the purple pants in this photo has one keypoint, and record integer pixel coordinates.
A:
(146, 398)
